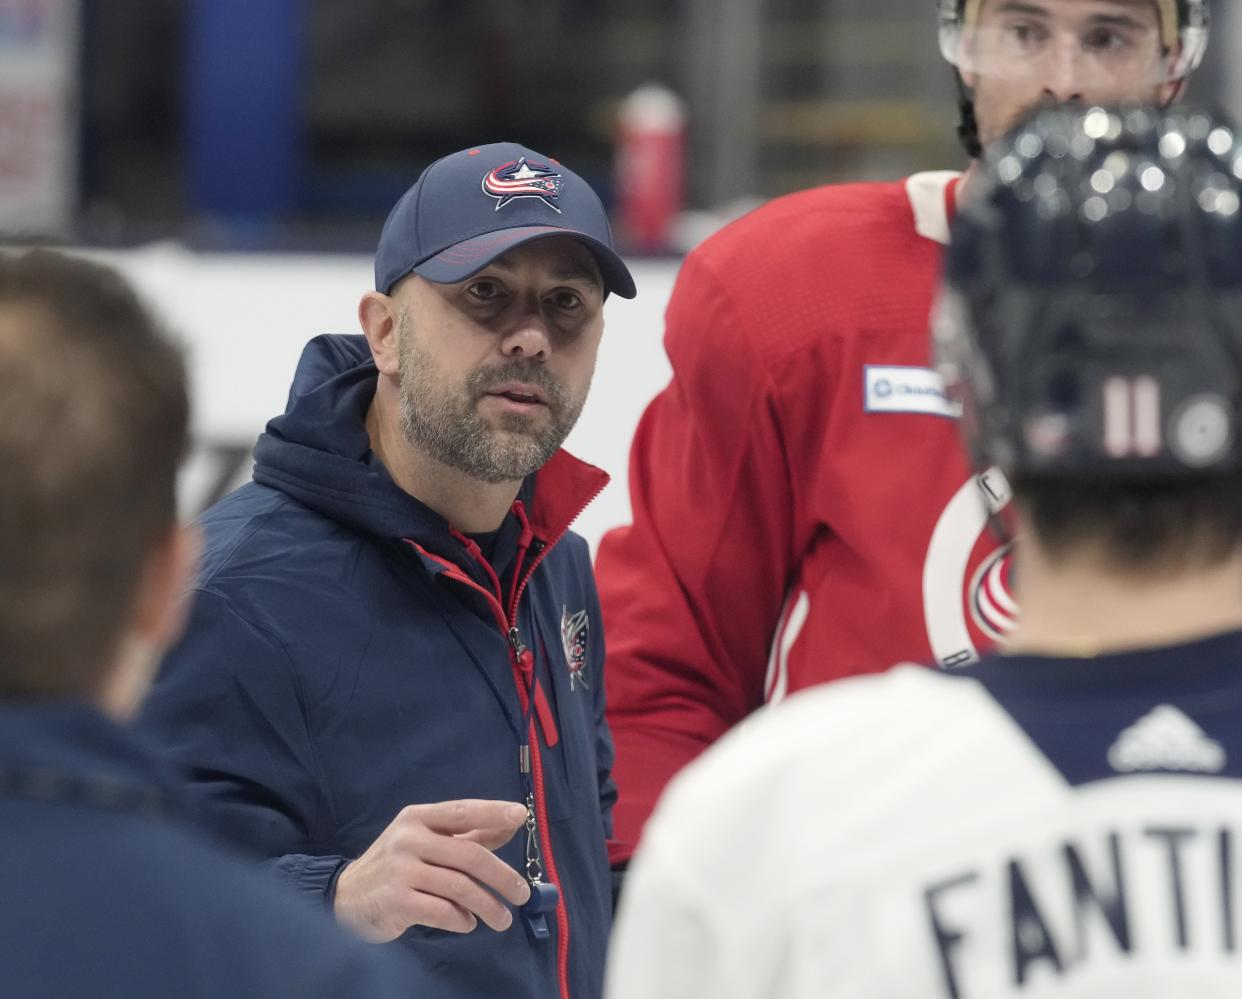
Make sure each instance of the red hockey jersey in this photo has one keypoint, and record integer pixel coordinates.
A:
(802, 506)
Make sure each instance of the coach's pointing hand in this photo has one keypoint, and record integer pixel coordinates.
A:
(433, 866)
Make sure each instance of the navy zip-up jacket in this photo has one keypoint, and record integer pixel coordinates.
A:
(349, 655)
(109, 893)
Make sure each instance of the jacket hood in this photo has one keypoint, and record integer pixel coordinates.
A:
(319, 453)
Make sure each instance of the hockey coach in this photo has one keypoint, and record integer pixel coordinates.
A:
(391, 687)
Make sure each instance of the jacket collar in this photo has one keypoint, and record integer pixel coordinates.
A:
(319, 453)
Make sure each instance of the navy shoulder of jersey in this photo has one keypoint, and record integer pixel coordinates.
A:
(1172, 709)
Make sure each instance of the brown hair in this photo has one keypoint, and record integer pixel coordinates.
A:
(1145, 529)
(93, 415)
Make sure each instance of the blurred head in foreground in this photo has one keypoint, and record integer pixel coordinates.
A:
(1091, 327)
(93, 415)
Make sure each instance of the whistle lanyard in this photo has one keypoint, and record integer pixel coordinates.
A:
(534, 861)
(543, 895)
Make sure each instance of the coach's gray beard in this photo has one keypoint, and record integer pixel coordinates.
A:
(448, 427)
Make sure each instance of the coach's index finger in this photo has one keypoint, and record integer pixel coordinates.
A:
(468, 814)
(480, 865)
(492, 839)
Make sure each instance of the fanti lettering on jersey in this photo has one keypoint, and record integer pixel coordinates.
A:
(1027, 920)
(897, 389)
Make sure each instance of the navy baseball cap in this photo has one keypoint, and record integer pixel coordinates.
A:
(467, 209)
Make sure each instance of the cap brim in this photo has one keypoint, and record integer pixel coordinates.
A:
(470, 256)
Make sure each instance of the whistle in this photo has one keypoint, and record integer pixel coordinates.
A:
(543, 899)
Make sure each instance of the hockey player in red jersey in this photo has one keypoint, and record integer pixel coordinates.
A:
(801, 508)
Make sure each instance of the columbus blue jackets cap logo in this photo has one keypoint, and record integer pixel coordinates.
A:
(575, 633)
(523, 178)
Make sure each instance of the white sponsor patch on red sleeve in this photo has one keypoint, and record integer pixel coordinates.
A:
(895, 389)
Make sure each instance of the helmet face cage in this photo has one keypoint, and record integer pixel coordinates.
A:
(1090, 320)
(1189, 18)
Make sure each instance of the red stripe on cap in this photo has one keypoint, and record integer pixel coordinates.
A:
(477, 247)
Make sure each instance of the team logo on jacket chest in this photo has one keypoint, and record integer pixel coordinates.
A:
(575, 633)
(524, 179)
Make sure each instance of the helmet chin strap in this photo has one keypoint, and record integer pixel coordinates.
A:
(1179, 91)
(968, 127)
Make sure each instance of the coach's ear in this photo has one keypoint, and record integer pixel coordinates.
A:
(380, 315)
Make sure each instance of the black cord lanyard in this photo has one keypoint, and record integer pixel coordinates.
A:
(543, 895)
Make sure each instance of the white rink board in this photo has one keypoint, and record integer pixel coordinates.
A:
(246, 317)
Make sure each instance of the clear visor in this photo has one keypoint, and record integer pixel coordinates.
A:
(1093, 57)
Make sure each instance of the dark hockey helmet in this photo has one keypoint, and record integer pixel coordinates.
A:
(1090, 317)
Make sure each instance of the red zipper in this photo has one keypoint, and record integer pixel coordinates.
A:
(523, 666)
(545, 839)
(543, 709)
(545, 842)
(545, 833)
(547, 719)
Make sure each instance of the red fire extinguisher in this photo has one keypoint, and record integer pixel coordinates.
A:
(650, 165)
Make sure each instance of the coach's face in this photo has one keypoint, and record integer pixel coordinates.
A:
(1023, 54)
(494, 370)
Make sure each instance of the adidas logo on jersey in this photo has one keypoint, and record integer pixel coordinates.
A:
(1166, 739)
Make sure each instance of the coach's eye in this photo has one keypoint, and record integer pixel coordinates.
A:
(566, 300)
(484, 291)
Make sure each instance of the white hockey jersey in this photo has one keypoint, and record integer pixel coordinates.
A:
(1030, 827)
